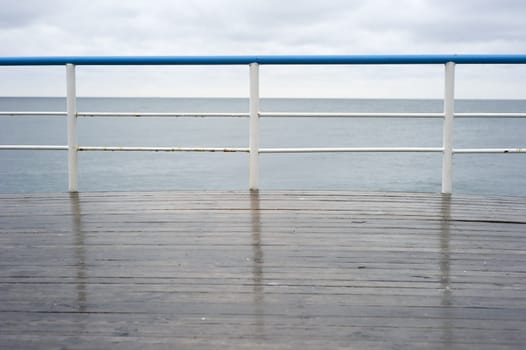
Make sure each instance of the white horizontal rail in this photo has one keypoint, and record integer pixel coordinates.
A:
(387, 115)
(349, 115)
(125, 114)
(490, 115)
(264, 114)
(173, 115)
(162, 149)
(350, 149)
(489, 150)
(33, 114)
(34, 147)
(263, 150)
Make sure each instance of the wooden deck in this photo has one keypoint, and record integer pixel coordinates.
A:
(274, 270)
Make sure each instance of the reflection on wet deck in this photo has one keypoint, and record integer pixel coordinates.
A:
(262, 271)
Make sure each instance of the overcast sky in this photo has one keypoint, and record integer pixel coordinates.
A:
(256, 27)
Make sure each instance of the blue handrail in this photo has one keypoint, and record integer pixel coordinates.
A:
(266, 59)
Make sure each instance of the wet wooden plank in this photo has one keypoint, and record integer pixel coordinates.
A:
(268, 270)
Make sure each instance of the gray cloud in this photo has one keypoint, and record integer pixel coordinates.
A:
(19, 14)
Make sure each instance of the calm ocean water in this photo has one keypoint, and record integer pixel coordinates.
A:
(46, 171)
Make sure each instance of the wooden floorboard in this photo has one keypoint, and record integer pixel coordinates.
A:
(267, 270)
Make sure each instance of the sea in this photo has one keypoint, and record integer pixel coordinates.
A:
(46, 171)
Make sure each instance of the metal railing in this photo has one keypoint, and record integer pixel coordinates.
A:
(254, 113)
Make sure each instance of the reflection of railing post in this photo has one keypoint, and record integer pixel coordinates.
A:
(71, 100)
(254, 127)
(449, 110)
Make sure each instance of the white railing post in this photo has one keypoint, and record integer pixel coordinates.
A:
(71, 100)
(254, 128)
(449, 111)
